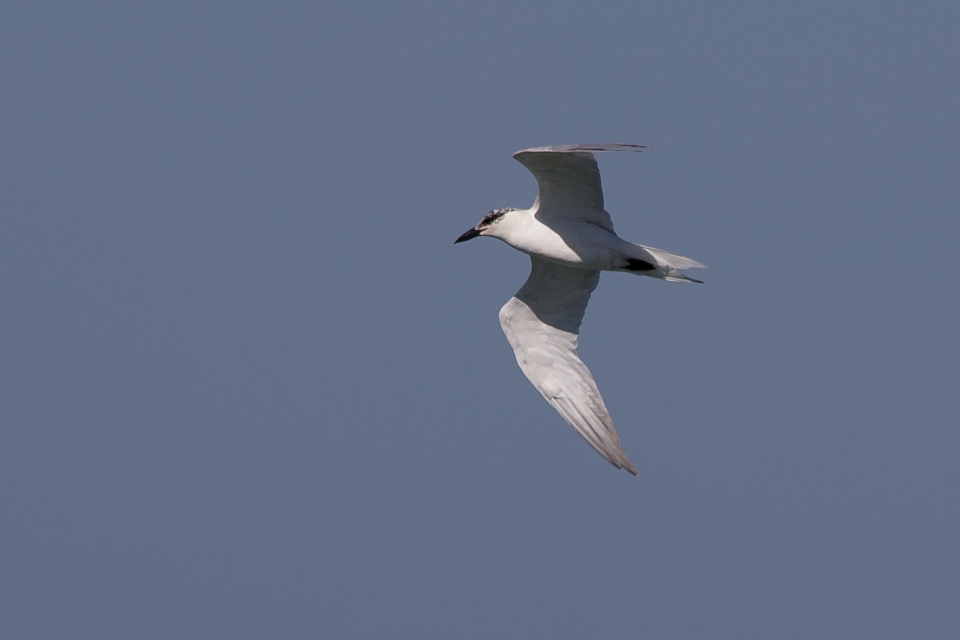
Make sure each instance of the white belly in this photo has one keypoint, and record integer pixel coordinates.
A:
(576, 244)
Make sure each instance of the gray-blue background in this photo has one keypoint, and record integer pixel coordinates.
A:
(250, 388)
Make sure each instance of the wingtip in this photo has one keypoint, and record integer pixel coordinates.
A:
(620, 461)
(586, 148)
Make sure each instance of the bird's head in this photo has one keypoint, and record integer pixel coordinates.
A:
(486, 224)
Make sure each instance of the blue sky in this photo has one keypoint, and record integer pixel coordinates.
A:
(250, 388)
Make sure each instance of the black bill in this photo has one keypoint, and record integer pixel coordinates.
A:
(472, 233)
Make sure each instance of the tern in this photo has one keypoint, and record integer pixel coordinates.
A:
(570, 240)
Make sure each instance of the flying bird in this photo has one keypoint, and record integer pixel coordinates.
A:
(570, 240)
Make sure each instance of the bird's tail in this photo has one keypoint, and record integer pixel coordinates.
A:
(669, 263)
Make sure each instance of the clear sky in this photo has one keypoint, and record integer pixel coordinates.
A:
(251, 389)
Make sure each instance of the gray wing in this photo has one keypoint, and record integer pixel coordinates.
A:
(542, 324)
(568, 181)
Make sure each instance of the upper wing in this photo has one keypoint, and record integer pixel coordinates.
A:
(542, 324)
(568, 180)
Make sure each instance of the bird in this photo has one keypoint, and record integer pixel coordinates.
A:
(570, 239)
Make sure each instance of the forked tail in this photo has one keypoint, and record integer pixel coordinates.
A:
(669, 263)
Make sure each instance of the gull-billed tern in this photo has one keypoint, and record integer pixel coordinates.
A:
(570, 240)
